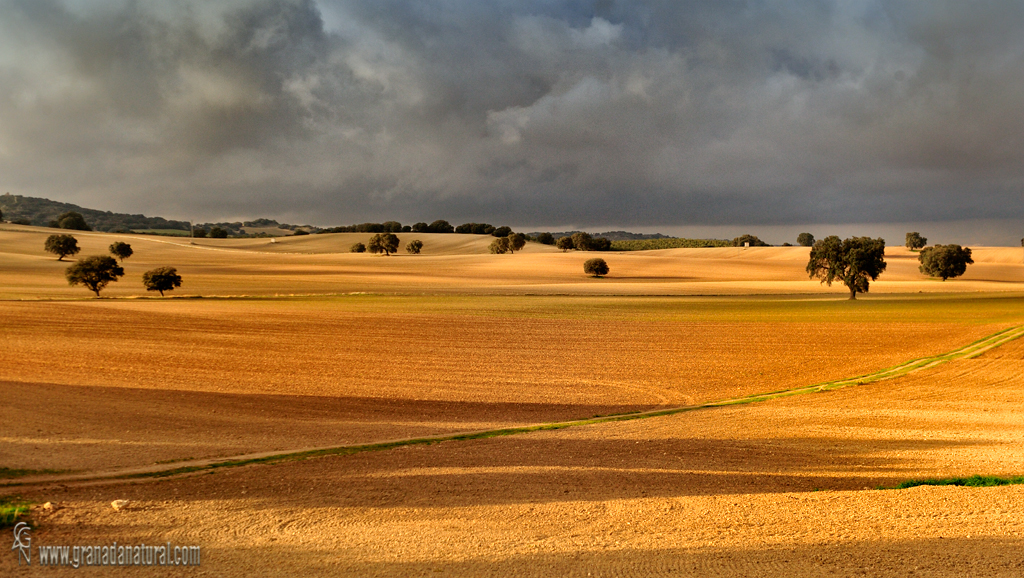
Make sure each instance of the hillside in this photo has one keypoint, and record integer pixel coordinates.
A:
(39, 212)
(462, 264)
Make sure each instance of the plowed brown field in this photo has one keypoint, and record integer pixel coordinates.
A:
(102, 384)
(729, 491)
(450, 342)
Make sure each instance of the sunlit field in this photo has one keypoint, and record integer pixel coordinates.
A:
(297, 345)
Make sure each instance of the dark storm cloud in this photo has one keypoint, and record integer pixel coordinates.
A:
(575, 112)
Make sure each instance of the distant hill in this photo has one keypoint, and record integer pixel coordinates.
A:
(39, 212)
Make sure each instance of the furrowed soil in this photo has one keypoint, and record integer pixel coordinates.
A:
(106, 384)
(781, 488)
(298, 344)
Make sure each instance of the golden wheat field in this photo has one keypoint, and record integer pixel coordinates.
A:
(196, 407)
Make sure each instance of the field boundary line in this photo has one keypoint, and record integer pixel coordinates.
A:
(968, 351)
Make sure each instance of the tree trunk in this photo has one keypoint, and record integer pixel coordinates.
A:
(161, 292)
(853, 294)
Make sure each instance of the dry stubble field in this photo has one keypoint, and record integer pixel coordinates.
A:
(775, 488)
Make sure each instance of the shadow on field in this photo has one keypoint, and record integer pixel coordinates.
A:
(51, 426)
(536, 469)
(531, 468)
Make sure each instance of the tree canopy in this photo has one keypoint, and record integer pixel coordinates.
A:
(546, 239)
(853, 262)
(595, 267)
(94, 272)
(516, 241)
(414, 246)
(742, 240)
(915, 241)
(500, 246)
(805, 239)
(440, 226)
(71, 220)
(61, 246)
(121, 250)
(358, 248)
(582, 241)
(565, 243)
(386, 243)
(161, 279)
(475, 229)
(945, 261)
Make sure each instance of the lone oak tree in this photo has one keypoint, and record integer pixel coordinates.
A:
(565, 244)
(61, 246)
(595, 267)
(915, 241)
(414, 246)
(121, 250)
(386, 243)
(853, 262)
(94, 272)
(161, 279)
(945, 261)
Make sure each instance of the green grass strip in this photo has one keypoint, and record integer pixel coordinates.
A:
(668, 243)
(17, 473)
(974, 481)
(968, 351)
(10, 510)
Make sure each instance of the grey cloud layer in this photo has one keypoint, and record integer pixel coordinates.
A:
(575, 112)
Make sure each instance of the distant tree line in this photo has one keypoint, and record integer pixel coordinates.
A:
(438, 226)
(668, 243)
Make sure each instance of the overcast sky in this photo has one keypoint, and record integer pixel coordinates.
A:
(579, 113)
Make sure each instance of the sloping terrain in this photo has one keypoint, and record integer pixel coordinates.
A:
(461, 264)
(298, 344)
